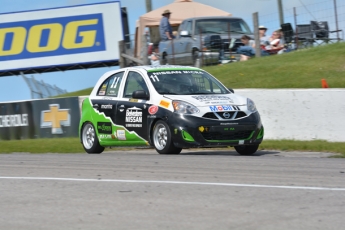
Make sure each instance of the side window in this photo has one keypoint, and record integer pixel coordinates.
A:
(107, 84)
(189, 27)
(114, 84)
(134, 82)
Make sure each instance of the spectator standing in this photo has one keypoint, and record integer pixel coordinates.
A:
(165, 29)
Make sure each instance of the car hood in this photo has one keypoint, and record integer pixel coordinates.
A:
(210, 99)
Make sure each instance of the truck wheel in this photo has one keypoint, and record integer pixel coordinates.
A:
(90, 140)
(195, 58)
(164, 60)
(246, 149)
(162, 140)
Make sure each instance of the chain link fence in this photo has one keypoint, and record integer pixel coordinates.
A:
(40, 89)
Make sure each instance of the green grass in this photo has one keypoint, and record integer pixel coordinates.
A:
(73, 145)
(298, 69)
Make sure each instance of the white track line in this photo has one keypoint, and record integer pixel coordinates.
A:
(174, 182)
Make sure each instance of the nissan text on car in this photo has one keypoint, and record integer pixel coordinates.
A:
(169, 108)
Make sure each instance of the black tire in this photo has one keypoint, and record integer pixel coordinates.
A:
(89, 139)
(246, 150)
(162, 140)
(195, 57)
(164, 60)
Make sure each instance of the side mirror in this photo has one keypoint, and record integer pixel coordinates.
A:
(184, 33)
(231, 90)
(140, 94)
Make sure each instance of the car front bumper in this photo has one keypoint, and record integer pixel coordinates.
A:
(191, 131)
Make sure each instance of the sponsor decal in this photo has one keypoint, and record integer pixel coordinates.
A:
(228, 123)
(55, 118)
(153, 109)
(164, 104)
(51, 37)
(107, 98)
(104, 127)
(212, 98)
(134, 115)
(133, 100)
(106, 106)
(14, 120)
(220, 108)
(229, 129)
(112, 93)
(106, 136)
(121, 134)
(101, 93)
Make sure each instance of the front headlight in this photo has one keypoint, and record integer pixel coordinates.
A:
(184, 107)
(251, 105)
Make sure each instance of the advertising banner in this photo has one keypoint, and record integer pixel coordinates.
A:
(60, 37)
(40, 119)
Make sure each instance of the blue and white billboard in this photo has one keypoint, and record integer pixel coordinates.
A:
(60, 37)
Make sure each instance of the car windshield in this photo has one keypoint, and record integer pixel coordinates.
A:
(220, 26)
(186, 82)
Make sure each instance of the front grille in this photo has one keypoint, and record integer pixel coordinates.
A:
(220, 115)
(223, 136)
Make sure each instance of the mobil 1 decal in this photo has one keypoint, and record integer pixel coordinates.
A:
(134, 117)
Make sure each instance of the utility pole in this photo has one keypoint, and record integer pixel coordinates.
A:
(336, 19)
(281, 14)
(148, 6)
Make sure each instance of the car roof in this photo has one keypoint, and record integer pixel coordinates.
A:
(150, 68)
(214, 17)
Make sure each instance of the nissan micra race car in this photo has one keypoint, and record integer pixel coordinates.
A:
(169, 108)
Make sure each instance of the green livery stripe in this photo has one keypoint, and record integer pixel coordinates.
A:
(261, 134)
(127, 138)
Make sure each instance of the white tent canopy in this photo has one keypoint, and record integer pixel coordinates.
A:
(180, 10)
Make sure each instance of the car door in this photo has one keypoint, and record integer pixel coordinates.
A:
(176, 57)
(132, 113)
(104, 104)
(185, 45)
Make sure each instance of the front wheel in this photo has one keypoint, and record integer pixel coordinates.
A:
(89, 139)
(162, 140)
(246, 149)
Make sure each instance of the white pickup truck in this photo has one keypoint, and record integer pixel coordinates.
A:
(212, 40)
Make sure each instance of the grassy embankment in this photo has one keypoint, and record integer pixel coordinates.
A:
(300, 69)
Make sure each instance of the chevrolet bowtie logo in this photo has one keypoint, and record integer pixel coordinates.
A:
(54, 118)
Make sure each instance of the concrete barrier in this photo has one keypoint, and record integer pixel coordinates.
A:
(300, 114)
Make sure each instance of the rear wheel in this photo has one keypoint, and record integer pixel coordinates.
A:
(162, 140)
(89, 139)
(246, 149)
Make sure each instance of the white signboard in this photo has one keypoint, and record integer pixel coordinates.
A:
(66, 36)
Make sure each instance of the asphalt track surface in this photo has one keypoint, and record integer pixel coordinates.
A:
(198, 189)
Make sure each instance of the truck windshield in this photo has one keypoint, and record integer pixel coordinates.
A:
(220, 26)
(186, 82)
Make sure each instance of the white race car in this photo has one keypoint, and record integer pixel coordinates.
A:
(169, 108)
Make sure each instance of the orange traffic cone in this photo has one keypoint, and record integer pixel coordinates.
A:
(324, 83)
